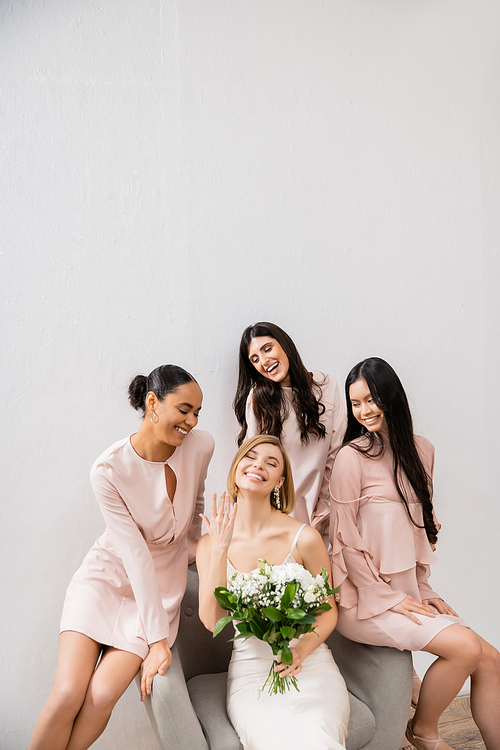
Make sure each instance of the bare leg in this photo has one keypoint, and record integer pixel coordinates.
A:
(76, 662)
(114, 674)
(459, 652)
(485, 695)
(415, 691)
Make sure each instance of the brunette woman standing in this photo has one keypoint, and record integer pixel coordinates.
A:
(277, 396)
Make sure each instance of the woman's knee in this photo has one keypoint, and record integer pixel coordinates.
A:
(459, 645)
(470, 650)
(490, 659)
(102, 695)
(66, 700)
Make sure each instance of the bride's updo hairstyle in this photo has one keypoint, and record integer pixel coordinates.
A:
(162, 381)
(389, 395)
(287, 490)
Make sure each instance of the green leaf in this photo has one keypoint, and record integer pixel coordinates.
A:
(295, 614)
(271, 636)
(256, 630)
(261, 621)
(305, 629)
(243, 627)
(272, 614)
(324, 607)
(308, 620)
(242, 635)
(221, 624)
(224, 598)
(286, 656)
(289, 594)
(287, 632)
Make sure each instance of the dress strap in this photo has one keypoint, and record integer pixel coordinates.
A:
(294, 543)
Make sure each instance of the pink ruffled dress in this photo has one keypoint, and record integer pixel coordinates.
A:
(378, 555)
(127, 592)
(312, 462)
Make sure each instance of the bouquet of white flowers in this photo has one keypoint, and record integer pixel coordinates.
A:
(275, 603)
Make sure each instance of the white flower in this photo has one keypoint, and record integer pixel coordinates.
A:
(265, 586)
(259, 578)
(278, 574)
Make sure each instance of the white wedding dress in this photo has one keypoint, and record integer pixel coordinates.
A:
(316, 717)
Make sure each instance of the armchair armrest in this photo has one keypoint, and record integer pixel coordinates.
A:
(170, 710)
(380, 677)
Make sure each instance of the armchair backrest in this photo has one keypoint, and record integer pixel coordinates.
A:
(199, 651)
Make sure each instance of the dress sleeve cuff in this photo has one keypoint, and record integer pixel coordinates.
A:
(158, 636)
(378, 598)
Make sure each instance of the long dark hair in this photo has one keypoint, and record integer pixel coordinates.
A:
(269, 401)
(161, 381)
(388, 393)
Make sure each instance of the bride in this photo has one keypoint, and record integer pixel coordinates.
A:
(260, 527)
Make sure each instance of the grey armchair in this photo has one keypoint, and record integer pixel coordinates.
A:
(187, 707)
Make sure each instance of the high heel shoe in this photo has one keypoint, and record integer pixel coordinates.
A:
(424, 744)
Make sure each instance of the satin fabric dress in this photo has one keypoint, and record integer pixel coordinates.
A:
(378, 555)
(316, 717)
(312, 462)
(128, 590)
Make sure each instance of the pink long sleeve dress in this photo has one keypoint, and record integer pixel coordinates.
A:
(128, 590)
(312, 462)
(378, 555)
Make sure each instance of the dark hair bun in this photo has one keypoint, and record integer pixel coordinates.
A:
(137, 392)
(162, 381)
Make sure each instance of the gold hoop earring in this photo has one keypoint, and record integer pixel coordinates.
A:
(154, 417)
(277, 501)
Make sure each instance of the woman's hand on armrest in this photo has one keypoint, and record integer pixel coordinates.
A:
(157, 661)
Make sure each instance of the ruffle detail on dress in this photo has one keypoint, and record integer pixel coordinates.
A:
(395, 543)
(389, 542)
(345, 534)
(320, 521)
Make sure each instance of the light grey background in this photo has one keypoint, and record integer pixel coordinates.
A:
(175, 170)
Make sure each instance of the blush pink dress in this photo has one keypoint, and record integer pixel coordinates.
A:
(378, 555)
(128, 590)
(312, 461)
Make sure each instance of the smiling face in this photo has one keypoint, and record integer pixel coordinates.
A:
(269, 359)
(177, 413)
(365, 409)
(260, 470)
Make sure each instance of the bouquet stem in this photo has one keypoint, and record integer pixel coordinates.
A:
(277, 684)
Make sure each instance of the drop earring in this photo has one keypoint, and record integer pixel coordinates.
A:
(277, 500)
(154, 417)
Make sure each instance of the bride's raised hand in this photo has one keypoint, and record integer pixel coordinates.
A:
(220, 528)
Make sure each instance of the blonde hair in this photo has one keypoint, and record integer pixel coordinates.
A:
(287, 490)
